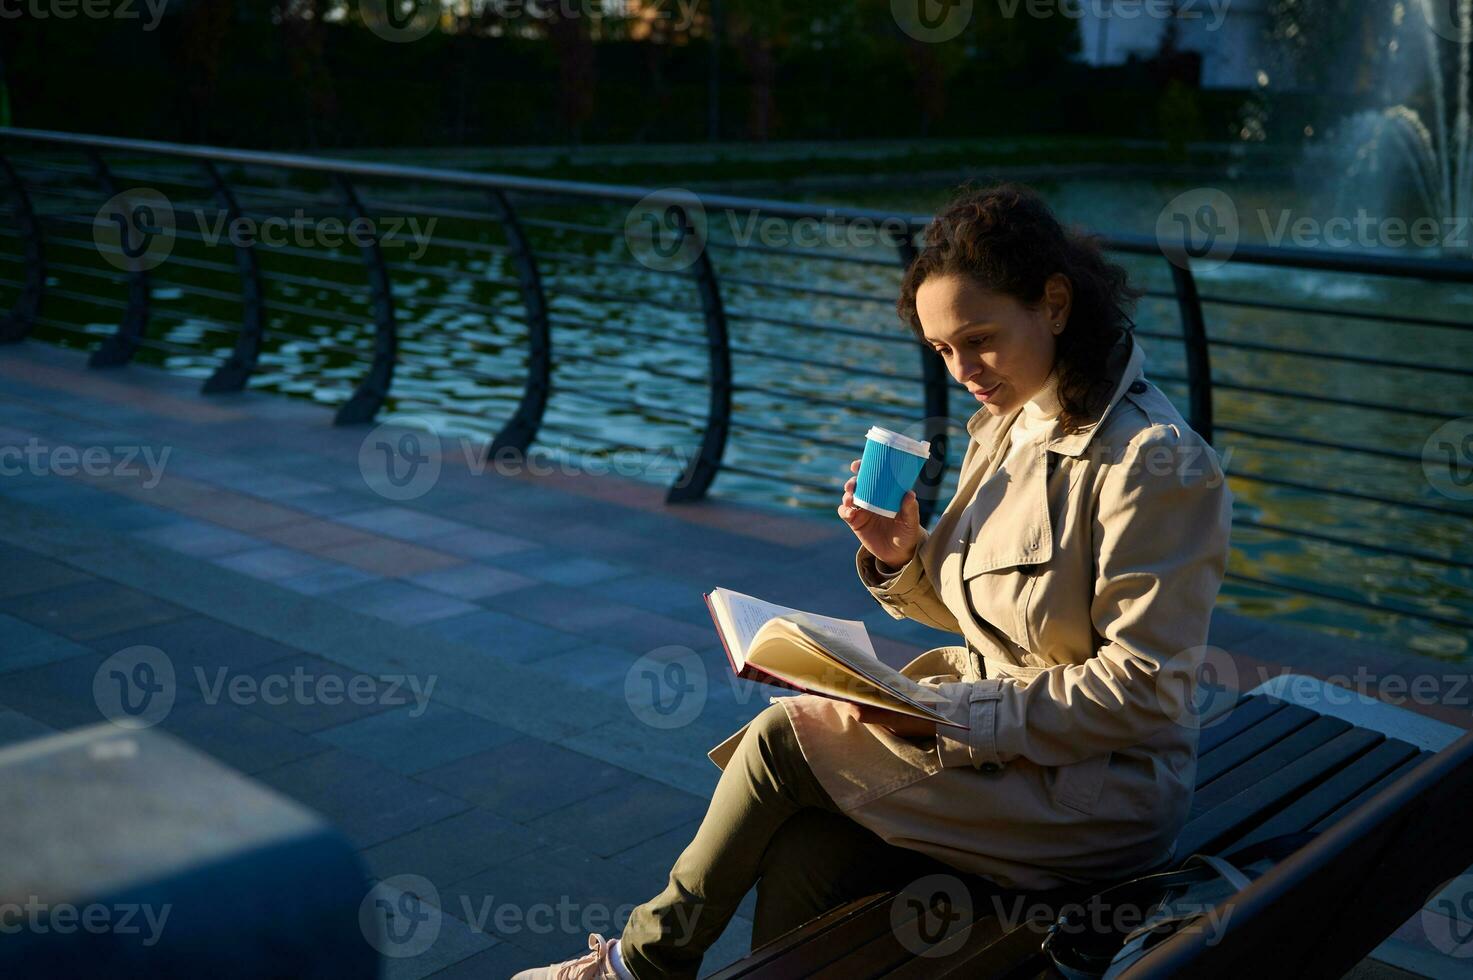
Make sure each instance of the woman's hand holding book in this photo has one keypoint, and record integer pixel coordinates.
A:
(890, 539)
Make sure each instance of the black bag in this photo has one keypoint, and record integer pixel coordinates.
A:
(1141, 913)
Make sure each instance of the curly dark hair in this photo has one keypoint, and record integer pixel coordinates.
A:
(1006, 239)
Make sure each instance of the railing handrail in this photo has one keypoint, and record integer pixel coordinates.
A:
(1428, 268)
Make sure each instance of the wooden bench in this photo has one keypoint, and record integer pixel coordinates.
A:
(1390, 827)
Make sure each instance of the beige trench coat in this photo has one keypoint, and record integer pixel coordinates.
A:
(1082, 581)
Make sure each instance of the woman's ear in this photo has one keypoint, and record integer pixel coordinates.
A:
(1058, 297)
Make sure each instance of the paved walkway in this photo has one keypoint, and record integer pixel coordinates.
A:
(504, 683)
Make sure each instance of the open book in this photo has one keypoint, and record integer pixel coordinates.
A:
(814, 654)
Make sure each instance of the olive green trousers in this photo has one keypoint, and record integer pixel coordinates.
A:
(772, 825)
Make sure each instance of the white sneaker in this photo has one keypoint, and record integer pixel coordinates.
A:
(592, 965)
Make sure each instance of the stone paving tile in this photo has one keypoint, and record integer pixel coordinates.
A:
(572, 608)
(200, 648)
(670, 595)
(391, 558)
(309, 694)
(328, 579)
(399, 602)
(272, 486)
(240, 512)
(59, 493)
(25, 644)
(315, 536)
(330, 502)
(61, 694)
(23, 571)
(548, 902)
(454, 849)
(526, 778)
(598, 666)
(84, 610)
(368, 803)
(472, 581)
(562, 568)
(198, 538)
(16, 727)
(453, 941)
(503, 636)
(617, 819)
(402, 523)
(236, 737)
(413, 738)
(502, 960)
(478, 543)
(271, 563)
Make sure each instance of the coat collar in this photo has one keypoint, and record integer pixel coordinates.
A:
(1126, 361)
(1005, 522)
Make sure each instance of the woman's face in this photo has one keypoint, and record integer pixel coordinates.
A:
(993, 345)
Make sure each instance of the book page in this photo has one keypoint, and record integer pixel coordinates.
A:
(748, 613)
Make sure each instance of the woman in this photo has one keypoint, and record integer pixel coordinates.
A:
(1079, 559)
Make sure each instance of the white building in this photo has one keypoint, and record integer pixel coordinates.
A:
(1229, 34)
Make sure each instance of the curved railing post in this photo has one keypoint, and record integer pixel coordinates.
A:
(514, 438)
(702, 469)
(935, 382)
(237, 369)
(369, 396)
(118, 349)
(16, 323)
(1194, 336)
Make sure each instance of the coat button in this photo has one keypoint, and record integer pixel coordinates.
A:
(1137, 387)
(990, 767)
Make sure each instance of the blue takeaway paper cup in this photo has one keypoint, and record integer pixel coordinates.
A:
(889, 467)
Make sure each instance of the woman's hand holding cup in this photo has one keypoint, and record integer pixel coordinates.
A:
(890, 539)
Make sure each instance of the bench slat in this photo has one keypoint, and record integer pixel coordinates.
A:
(1274, 792)
(1248, 712)
(1239, 748)
(1264, 764)
(1333, 793)
(1372, 790)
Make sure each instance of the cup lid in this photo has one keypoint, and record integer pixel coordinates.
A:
(915, 447)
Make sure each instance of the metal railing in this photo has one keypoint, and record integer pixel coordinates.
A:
(206, 169)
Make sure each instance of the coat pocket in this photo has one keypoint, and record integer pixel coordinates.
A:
(1077, 785)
